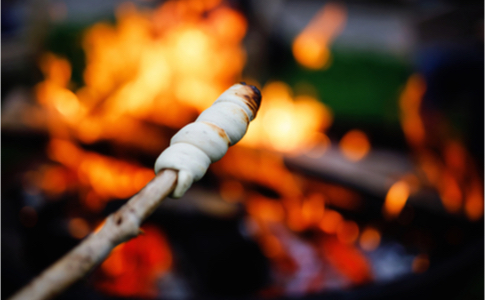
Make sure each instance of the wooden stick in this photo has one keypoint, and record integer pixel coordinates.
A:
(119, 227)
(191, 151)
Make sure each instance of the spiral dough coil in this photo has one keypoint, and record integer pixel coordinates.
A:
(198, 144)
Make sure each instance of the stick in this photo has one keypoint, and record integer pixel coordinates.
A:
(119, 227)
(191, 151)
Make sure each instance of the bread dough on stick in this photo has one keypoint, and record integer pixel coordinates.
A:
(190, 153)
(197, 145)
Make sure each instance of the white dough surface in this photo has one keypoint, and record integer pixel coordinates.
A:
(194, 147)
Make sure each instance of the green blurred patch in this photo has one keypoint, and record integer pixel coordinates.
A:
(66, 40)
(360, 87)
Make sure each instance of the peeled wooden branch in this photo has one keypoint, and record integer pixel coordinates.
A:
(118, 228)
(191, 151)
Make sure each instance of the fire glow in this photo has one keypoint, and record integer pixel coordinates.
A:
(154, 72)
(133, 268)
(445, 162)
(311, 46)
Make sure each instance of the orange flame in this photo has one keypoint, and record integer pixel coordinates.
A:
(161, 66)
(474, 201)
(56, 70)
(348, 260)
(451, 194)
(271, 246)
(311, 46)
(108, 177)
(313, 209)
(396, 199)
(410, 104)
(265, 209)
(354, 145)
(164, 66)
(133, 268)
(450, 170)
(287, 124)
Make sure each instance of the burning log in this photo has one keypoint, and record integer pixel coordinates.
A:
(191, 151)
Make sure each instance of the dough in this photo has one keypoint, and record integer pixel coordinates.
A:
(194, 147)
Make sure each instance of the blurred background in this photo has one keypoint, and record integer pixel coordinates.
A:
(361, 178)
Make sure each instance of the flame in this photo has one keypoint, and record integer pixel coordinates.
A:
(108, 177)
(164, 66)
(339, 196)
(271, 246)
(53, 92)
(265, 209)
(313, 209)
(260, 167)
(445, 162)
(311, 46)
(161, 66)
(474, 201)
(133, 268)
(396, 199)
(54, 180)
(348, 260)
(56, 70)
(450, 191)
(455, 157)
(286, 123)
(410, 104)
(354, 145)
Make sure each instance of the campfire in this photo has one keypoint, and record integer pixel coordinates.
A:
(153, 72)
